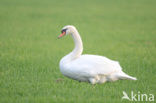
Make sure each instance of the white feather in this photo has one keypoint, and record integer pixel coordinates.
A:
(91, 68)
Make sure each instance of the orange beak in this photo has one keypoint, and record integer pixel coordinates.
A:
(61, 35)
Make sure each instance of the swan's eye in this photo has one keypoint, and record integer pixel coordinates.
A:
(64, 30)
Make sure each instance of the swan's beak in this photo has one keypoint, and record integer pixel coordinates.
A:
(61, 35)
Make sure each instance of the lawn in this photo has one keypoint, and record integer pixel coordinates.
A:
(122, 30)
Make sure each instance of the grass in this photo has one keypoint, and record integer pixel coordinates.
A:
(122, 30)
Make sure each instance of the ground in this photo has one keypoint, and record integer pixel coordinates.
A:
(122, 30)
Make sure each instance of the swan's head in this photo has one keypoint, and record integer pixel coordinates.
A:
(69, 29)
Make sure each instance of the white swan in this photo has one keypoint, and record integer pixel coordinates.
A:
(88, 68)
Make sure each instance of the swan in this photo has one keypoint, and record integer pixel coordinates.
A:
(88, 68)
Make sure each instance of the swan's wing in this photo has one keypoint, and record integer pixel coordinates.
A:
(93, 64)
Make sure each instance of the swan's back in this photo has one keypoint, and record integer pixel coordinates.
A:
(94, 64)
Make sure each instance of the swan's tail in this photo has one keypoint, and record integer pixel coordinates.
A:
(123, 75)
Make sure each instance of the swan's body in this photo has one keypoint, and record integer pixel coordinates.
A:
(89, 68)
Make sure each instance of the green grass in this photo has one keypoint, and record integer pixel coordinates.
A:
(123, 30)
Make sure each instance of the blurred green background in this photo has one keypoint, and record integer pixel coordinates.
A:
(123, 30)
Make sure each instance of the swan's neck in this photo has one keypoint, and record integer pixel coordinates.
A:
(77, 51)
